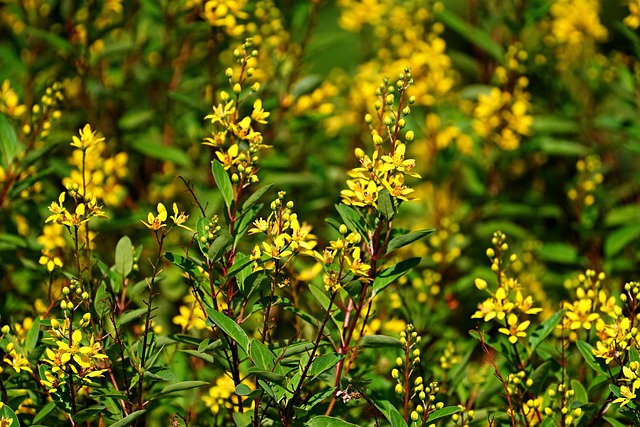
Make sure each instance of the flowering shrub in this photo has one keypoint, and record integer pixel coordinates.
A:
(380, 212)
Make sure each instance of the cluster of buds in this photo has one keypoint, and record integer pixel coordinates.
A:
(72, 296)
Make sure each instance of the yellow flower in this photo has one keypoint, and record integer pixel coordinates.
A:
(229, 158)
(179, 218)
(156, 222)
(87, 138)
(515, 330)
(627, 395)
(258, 114)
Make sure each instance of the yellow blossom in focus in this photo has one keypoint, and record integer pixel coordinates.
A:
(156, 222)
(87, 138)
(515, 330)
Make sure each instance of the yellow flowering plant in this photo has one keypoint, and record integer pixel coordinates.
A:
(222, 212)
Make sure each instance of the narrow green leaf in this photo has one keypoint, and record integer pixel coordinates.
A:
(6, 413)
(200, 355)
(44, 412)
(126, 421)
(32, 336)
(351, 219)
(130, 316)
(404, 240)
(102, 302)
(475, 35)
(561, 147)
(559, 252)
(388, 410)
(124, 256)
(323, 363)
(319, 397)
(613, 422)
(385, 204)
(278, 379)
(542, 332)
(219, 245)
(617, 240)
(150, 145)
(580, 394)
(386, 277)
(441, 413)
(8, 141)
(378, 341)
(587, 353)
(326, 421)
(181, 386)
(320, 296)
(88, 413)
(253, 199)
(223, 182)
(231, 328)
(260, 355)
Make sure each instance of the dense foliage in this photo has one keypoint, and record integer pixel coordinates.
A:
(320, 213)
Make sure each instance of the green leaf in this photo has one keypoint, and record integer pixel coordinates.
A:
(244, 419)
(217, 248)
(351, 219)
(388, 410)
(405, 239)
(386, 277)
(559, 252)
(474, 35)
(542, 332)
(253, 199)
(325, 421)
(561, 147)
(378, 341)
(319, 397)
(243, 390)
(32, 336)
(231, 328)
(622, 215)
(124, 256)
(278, 379)
(443, 412)
(580, 394)
(6, 413)
(102, 302)
(126, 421)
(385, 204)
(587, 353)
(617, 240)
(44, 412)
(8, 141)
(223, 182)
(181, 386)
(323, 363)
(613, 422)
(130, 316)
(88, 413)
(260, 355)
(320, 296)
(151, 146)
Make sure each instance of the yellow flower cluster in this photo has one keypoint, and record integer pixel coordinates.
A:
(223, 393)
(502, 116)
(616, 332)
(403, 32)
(633, 20)
(507, 304)
(76, 353)
(588, 179)
(102, 175)
(10, 102)
(225, 14)
(384, 170)
(285, 236)
(574, 30)
(242, 141)
(574, 21)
